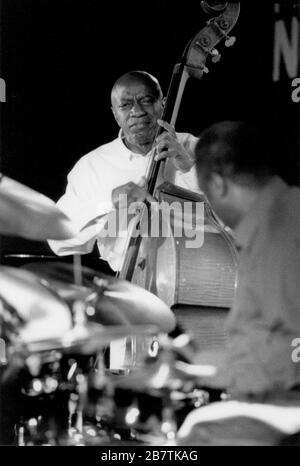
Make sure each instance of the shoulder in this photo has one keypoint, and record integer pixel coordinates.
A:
(96, 157)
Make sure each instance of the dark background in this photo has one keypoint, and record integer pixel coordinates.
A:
(59, 59)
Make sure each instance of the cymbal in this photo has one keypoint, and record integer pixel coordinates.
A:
(29, 214)
(87, 339)
(41, 321)
(38, 312)
(118, 301)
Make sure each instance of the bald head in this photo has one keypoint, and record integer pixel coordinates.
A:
(141, 77)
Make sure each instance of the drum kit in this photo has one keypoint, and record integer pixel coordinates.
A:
(57, 324)
(57, 321)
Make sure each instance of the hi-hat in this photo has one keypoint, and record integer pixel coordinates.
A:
(29, 214)
(118, 302)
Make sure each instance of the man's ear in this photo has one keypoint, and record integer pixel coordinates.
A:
(219, 184)
(163, 103)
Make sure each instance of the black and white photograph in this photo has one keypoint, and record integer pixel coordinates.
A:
(149, 226)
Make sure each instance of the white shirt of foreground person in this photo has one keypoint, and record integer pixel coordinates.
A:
(87, 199)
(88, 202)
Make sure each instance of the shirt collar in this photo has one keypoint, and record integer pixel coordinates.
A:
(131, 155)
(246, 229)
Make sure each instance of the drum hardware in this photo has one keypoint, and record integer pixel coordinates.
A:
(68, 396)
(152, 402)
(71, 392)
(3, 359)
(88, 398)
(28, 433)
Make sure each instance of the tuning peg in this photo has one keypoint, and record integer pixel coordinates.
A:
(230, 41)
(216, 57)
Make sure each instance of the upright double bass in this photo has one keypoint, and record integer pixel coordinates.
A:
(168, 265)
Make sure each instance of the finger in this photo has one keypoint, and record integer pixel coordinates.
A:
(169, 128)
(139, 194)
(144, 195)
(168, 145)
(161, 146)
(136, 206)
(150, 198)
(164, 137)
(166, 154)
(140, 197)
(120, 202)
(142, 183)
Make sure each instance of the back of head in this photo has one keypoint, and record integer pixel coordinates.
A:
(236, 150)
(140, 77)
